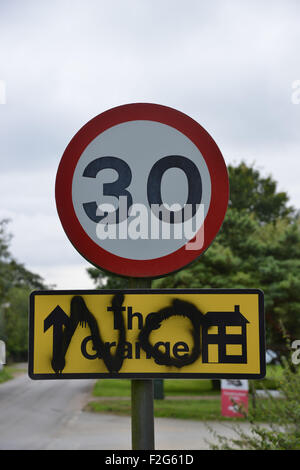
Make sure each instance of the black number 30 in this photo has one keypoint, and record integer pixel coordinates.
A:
(119, 187)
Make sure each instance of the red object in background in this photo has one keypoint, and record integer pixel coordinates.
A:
(234, 398)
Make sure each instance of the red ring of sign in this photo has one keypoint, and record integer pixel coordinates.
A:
(63, 189)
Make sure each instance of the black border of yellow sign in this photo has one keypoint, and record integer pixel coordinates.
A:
(62, 375)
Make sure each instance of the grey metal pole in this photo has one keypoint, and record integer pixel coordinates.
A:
(142, 407)
(158, 389)
(142, 415)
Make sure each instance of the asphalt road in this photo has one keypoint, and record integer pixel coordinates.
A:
(36, 415)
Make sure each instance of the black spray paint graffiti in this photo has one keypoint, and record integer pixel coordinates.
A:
(153, 322)
(81, 315)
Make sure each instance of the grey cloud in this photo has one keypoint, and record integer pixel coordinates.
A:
(229, 65)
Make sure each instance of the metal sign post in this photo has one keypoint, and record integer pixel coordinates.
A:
(142, 415)
(142, 400)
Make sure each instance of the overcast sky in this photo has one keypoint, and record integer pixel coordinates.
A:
(229, 64)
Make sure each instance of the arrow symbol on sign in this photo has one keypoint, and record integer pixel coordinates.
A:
(58, 319)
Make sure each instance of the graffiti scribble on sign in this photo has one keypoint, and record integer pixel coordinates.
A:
(80, 315)
(153, 322)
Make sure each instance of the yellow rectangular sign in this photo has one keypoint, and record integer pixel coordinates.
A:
(213, 333)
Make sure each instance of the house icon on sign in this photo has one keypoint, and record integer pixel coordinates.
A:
(224, 337)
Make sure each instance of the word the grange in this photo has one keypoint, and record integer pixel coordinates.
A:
(147, 333)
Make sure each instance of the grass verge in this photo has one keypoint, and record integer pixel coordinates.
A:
(6, 374)
(184, 398)
(202, 409)
(122, 388)
(179, 409)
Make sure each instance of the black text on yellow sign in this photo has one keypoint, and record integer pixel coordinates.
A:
(213, 333)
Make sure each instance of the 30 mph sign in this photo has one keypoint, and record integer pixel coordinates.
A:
(141, 190)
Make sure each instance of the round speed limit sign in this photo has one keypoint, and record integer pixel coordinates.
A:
(141, 190)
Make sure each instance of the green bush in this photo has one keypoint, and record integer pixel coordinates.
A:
(281, 415)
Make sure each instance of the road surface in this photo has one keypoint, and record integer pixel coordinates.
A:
(36, 415)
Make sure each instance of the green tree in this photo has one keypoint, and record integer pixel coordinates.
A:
(256, 194)
(104, 280)
(16, 282)
(15, 313)
(258, 246)
(278, 271)
(13, 273)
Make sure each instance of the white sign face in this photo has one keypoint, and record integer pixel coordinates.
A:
(234, 384)
(142, 190)
(133, 151)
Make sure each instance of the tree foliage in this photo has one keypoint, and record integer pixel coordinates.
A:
(256, 194)
(16, 282)
(104, 280)
(258, 246)
(15, 316)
